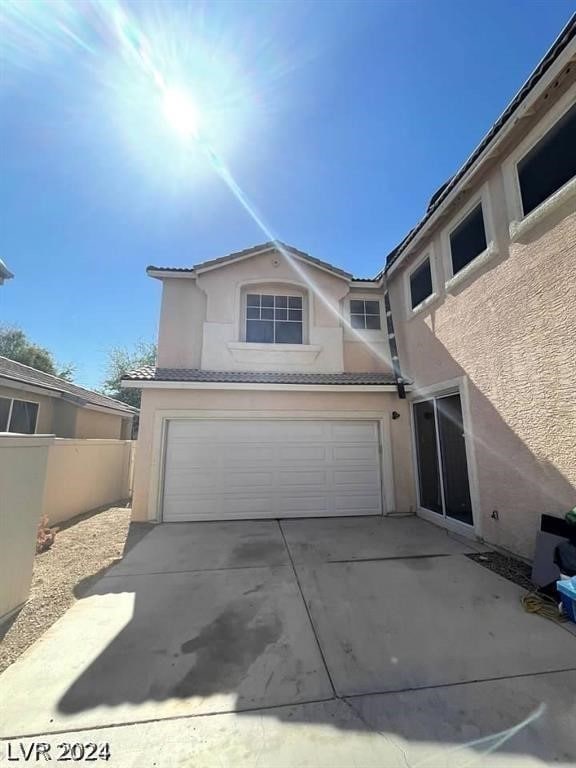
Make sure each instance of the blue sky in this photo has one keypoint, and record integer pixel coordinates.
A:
(338, 120)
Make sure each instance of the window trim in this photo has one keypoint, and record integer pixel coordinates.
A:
(427, 253)
(289, 294)
(520, 223)
(365, 297)
(452, 280)
(20, 400)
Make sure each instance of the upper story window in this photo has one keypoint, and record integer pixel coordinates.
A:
(550, 164)
(421, 286)
(272, 319)
(468, 239)
(18, 416)
(365, 314)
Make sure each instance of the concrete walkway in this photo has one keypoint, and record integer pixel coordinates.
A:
(365, 641)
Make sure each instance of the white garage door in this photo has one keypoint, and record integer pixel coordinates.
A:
(233, 470)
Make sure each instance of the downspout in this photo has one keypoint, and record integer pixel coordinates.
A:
(394, 349)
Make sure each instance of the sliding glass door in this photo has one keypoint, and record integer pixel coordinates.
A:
(441, 455)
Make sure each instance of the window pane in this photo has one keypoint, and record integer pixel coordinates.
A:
(252, 300)
(295, 302)
(468, 239)
(4, 411)
(454, 464)
(267, 313)
(260, 331)
(295, 314)
(267, 301)
(421, 283)
(288, 333)
(253, 312)
(358, 321)
(372, 307)
(23, 417)
(281, 301)
(373, 322)
(356, 307)
(550, 164)
(281, 313)
(427, 452)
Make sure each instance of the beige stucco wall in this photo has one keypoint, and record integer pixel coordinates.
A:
(45, 411)
(22, 472)
(510, 329)
(95, 424)
(200, 318)
(82, 475)
(154, 401)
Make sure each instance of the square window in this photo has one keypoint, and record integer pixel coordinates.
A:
(550, 164)
(253, 300)
(267, 313)
(260, 331)
(295, 314)
(253, 313)
(23, 418)
(267, 301)
(365, 314)
(295, 302)
(281, 301)
(468, 239)
(281, 313)
(421, 283)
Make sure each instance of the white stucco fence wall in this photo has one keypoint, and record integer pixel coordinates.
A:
(85, 474)
(23, 462)
(56, 477)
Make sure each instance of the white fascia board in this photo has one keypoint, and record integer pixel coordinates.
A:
(105, 409)
(25, 387)
(163, 274)
(368, 284)
(490, 151)
(260, 386)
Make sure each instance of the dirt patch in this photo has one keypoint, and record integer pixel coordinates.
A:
(84, 547)
(511, 568)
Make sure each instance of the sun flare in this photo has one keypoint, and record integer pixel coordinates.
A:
(181, 112)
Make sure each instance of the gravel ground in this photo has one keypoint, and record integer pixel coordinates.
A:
(83, 548)
(512, 568)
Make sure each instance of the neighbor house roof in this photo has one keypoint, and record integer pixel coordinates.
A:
(10, 370)
(442, 193)
(149, 373)
(253, 251)
(5, 273)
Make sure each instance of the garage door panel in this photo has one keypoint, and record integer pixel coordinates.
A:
(266, 469)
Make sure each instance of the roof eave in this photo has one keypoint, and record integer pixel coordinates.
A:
(414, 238)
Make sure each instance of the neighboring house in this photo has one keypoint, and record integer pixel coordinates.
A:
(34, 402)
(279, 389)
(5, 273)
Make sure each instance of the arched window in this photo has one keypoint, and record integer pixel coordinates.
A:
(274, 314)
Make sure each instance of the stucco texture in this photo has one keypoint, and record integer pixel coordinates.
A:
(155, 401)
(511, 330)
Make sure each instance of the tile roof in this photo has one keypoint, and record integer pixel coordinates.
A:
(252, 251)
(559, 45)
(148, 373)
(10, 369)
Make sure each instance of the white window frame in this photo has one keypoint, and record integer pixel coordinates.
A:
(11, 408)
(457, 386)
(519, 223)
(375, 300)
(425, 303)
(363, 334)
(289, 292)
(479, 261)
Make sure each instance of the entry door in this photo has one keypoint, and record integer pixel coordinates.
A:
(441, 453)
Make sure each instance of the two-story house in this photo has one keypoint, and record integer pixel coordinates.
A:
(273, 396)
(279, 389)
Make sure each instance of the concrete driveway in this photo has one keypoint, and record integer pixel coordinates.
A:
(357, 641)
